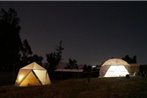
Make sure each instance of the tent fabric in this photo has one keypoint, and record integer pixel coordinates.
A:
(33, 65)
(115, 61)
(32, 75)
(114, 67)
(30, 80)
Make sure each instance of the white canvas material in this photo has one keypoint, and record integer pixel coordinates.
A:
(32, 75)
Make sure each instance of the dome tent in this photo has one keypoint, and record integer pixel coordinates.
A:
(32, 75)
(114, 67)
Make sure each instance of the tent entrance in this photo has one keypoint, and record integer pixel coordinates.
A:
(116, 71)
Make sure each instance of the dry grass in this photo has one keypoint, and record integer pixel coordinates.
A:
(80, 88)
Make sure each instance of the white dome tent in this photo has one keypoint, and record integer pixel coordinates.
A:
(32, 75)
(114, 68)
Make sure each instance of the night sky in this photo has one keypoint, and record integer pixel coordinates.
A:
(92, 32)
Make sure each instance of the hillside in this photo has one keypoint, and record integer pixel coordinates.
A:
(80, 88)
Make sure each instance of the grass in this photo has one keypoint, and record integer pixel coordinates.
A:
(81, 88)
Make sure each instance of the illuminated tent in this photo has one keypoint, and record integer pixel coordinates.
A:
(32, 75)
(114, 68)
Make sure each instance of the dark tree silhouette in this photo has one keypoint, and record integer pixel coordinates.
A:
(143, 70)
(10, 42)
(59, 50)
(72, 64)
(129, 59)
(35, 58)
(53, 61)
(26, 49)
(13, 52)
(27, 55)
(87, 68)
(54, 58)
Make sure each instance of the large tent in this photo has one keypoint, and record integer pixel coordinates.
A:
(32, 75)
(114, 67)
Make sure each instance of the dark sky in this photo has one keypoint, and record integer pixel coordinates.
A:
(91, 32)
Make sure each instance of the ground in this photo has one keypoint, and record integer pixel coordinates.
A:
(81, 88)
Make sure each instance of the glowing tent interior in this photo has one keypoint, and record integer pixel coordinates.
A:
(114, 68)
(32, 75)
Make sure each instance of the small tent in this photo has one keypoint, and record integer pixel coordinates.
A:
(114, 68)
(32, 75)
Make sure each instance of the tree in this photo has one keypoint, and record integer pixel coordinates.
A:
(54, 58)
(35, 58)
(53, 61)
(72, 64)
(59, 50)
(87, 69)
(10, 42)
(27, 55)
(129, 59)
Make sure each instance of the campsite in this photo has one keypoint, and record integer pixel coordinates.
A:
(81, 88)
(73, 49)
(33, 81)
